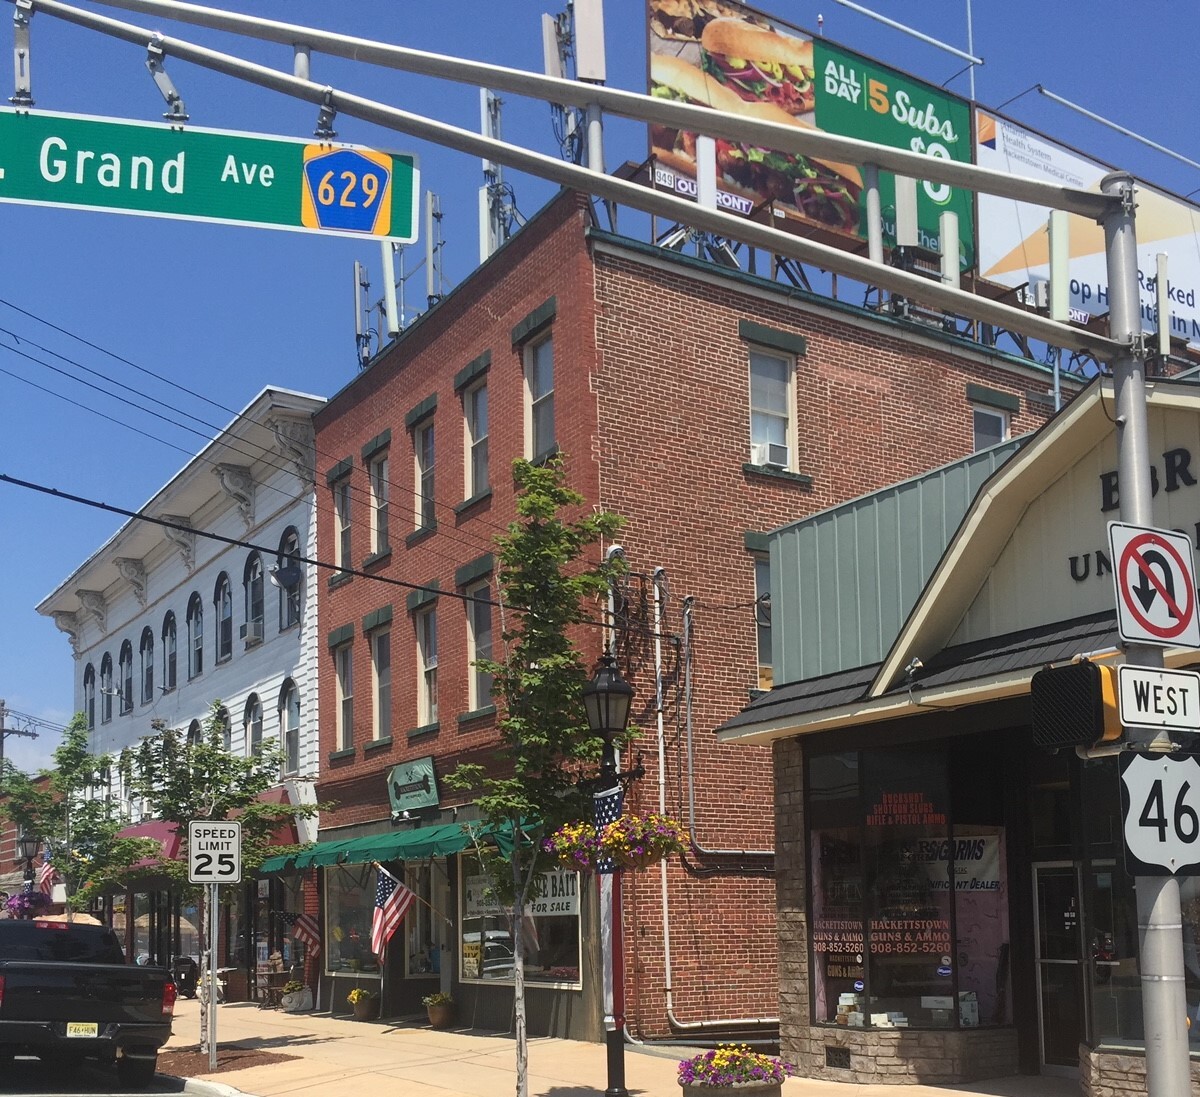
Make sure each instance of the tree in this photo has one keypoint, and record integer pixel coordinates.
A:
(70, 809)
(538, 779)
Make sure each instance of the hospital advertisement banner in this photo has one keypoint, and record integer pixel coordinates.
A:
(1014, 243)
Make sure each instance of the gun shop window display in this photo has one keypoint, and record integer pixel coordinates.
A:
(909, 918)
(549, 929)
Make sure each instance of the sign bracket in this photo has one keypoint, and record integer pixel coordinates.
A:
(325, 130)
(22, 16)
(176, 113)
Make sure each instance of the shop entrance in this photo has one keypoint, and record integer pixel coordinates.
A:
(1060, 965)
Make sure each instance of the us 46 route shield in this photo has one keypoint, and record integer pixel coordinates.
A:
(206, 175)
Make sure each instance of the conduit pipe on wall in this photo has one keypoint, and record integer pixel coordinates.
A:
(659, 580)
(688, 607)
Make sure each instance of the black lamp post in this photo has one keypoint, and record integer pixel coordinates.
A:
(607, 698)
(28, 844)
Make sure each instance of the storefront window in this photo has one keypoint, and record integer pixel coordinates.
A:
(549, 929)
(349, 905)
(143, 919)
(909, 921)
(425, 925)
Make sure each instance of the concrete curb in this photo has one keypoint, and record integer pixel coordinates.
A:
(203, 1088)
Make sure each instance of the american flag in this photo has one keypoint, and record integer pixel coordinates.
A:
(606, 807)
(45, 877)
(392, 900)
(304, 929)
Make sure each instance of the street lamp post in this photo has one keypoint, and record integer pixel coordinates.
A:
(28, 846)
(607, 698)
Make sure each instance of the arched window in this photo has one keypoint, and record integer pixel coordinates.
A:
(223, 600)
(288, 577)
(169, 656)
(89, 695)
(146, 651)
(252, 587)
(195, 624)
(193, 735)
(106, 688)
(126, 678)
(254, 726)
(289, 726)
(225, 727)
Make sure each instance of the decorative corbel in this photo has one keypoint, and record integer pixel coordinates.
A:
(238, 483)
(182, 536)
(68, 623)
(295, 440)
(134, 573)
(95, 607)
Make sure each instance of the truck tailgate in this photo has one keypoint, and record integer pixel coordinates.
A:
(35, 991)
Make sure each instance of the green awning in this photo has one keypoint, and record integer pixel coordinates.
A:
(408, 845)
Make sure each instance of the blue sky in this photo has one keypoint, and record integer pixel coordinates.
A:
(224, 311)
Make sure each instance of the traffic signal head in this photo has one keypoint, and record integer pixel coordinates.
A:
(1075, 705)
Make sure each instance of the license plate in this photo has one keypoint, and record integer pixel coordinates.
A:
(82, 1029)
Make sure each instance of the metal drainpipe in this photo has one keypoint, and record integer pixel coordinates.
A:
(675, 1022)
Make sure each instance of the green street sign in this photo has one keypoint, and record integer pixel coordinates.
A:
(857, 97)
(195, 174)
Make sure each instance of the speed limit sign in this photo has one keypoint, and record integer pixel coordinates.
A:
(214, 851)
(1160, 800)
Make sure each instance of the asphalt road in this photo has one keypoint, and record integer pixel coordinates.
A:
(32, 1076)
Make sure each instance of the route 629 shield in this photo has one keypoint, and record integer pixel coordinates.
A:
(1160, 801)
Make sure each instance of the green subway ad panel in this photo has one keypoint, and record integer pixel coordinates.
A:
(859, 98)
(158, 170)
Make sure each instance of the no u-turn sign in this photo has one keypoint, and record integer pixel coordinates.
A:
(1156, 586)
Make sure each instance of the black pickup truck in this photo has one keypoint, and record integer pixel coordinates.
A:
(66, 994)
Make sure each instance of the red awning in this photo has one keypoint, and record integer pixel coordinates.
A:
(285, 833)
(162, 832)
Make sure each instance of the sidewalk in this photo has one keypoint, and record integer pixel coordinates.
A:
(344, 1058)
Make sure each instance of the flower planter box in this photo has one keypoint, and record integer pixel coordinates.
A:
(366, 1009)
(738, 1089)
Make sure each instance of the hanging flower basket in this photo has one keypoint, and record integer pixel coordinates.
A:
(632, 842)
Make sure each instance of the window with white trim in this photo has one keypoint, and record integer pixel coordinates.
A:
(990, 426)
(89, 695)
(479, 644)
(289, 727)
(126, 679)
(540, 438)
(170, 653)
(223, 601)
(288, 578)
(423, 447)
(146, 655)
(343, 666)
(427, 663)
(772, 409)
(381, 683)
(106, 688)
(378, 474)
(195, 624)
(252, 584)
(254, 726)
(341, 520)
(475, 447)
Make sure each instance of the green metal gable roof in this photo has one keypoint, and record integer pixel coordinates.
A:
(844, 581)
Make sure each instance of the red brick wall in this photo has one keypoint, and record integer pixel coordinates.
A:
(651, 398)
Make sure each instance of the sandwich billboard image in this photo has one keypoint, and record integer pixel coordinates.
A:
(739, 61)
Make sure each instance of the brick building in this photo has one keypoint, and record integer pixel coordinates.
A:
(705, 405)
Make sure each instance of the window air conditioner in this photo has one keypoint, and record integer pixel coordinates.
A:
(769, 453)
(252, 632)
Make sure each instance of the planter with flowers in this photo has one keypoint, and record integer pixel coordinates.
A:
(295, 997)
(26, 904)
(733, 1069)
(631, 842)
(439, 1007)
(365, 1004)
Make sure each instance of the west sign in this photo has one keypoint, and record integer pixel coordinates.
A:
(206, 175)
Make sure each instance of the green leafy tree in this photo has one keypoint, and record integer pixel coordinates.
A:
(70, 809)
(538, 777)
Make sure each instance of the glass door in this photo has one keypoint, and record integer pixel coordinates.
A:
(1060, 965)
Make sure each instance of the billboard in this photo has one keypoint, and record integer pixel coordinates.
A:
(1014, 246)
(734, 59)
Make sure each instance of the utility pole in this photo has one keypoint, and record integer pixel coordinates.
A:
(1160, 929)
(5, 732)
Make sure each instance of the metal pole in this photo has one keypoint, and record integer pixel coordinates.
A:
(1160, 927)
(614, 1041)
(212, 977)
